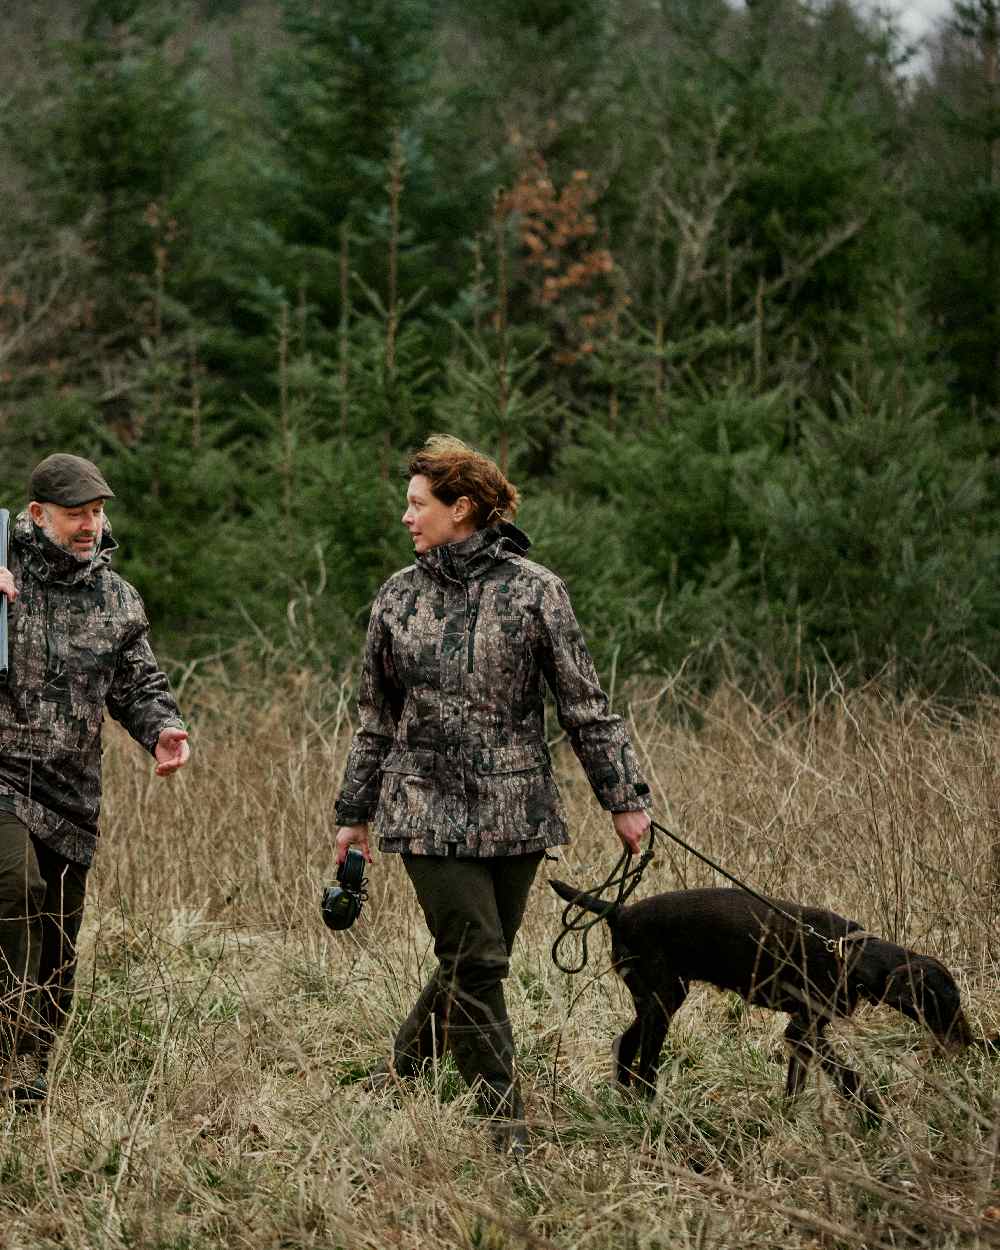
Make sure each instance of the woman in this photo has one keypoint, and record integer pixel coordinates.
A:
(450, 761)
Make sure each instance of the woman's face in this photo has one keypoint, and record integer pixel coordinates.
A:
(431, 521)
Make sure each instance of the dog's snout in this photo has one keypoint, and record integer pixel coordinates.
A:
(958, 1036)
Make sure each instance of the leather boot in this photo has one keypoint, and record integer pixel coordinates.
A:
(414, 1044)
(484, 1055)
(23, 1080)
(415, 1038)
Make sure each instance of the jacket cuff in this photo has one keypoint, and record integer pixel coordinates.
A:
(174, 722)
(630, 797)
(347, 813)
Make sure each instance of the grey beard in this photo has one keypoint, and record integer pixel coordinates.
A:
(47, 530)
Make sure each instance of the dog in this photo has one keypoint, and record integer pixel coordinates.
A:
(807, 961)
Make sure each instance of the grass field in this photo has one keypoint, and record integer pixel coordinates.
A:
(203, 1093)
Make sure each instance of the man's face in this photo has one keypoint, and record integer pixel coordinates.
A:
(77, 530)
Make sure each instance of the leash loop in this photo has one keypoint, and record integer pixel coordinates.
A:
(577, 919)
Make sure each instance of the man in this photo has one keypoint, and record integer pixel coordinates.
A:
(78, 644)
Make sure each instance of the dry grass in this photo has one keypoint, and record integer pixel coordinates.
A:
(203, 1094)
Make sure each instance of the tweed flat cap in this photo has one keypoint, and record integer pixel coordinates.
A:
(68, 480)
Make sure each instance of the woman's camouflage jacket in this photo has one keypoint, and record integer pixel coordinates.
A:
(78, 644)
(450, 753)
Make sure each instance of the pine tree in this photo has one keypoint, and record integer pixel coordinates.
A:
(753, 189)
(874, 541)
(113, 137)
(958, 159)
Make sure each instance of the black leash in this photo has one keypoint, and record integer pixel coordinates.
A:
(834, 945)
(584, 920)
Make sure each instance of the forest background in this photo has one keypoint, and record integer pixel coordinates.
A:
(718, 283)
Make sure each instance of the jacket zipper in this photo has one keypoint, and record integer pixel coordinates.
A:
(473, 616)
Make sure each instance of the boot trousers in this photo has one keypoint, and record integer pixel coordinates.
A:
(23, 1055)
(414, 1043)
(484, 1055)
(415, 1038)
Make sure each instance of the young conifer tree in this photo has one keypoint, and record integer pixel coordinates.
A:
(957, 159)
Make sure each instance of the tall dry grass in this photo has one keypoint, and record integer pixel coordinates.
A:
(203, 1094)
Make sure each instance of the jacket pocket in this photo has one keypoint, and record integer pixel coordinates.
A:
(517, 797)
(27, 742)
(37, 755)
(411, 763)
(408, 799)
(524, 758)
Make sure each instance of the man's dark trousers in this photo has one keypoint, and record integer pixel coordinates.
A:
(41, 906)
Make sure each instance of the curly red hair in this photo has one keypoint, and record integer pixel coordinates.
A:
(454, 469)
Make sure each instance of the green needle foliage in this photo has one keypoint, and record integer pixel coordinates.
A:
(717, 284)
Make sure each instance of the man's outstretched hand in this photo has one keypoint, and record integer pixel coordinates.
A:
(172, 751)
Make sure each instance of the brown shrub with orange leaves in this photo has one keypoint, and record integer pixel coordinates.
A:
(569, 268)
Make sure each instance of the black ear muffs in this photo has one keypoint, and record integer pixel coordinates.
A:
(341, 904)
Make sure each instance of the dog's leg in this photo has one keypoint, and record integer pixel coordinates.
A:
(848, 1082)
(653, 1033)
(623, 1053)
(625, 1048)
(646, 1035)
(801, 1038)
(643, 1037)
(807, 1039)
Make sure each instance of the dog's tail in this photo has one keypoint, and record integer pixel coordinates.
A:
(589, 902)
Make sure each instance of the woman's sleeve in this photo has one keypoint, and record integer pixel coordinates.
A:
(599, 737)
(380, 704)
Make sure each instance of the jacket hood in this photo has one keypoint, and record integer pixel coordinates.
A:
(50, 563)
(466, 560)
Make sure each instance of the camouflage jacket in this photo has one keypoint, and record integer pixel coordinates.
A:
(77, 644)
(450, 750)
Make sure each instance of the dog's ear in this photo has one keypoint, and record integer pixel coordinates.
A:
(884, 978)
(904, 988)
(873, 968)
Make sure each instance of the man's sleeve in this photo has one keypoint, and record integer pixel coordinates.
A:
(598, 736)
(140, 697)
(380, 703)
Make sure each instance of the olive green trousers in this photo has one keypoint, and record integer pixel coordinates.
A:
(473, 908)
(41, 907)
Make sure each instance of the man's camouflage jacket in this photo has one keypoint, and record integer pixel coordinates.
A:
(78, 643)
(450, 754)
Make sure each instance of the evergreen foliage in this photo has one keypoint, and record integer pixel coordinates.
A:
(959, 183)
(718, 284)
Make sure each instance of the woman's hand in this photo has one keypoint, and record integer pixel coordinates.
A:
(352, 835)
(630, 827)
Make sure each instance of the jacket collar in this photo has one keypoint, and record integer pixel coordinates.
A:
(469, 559)
(49, 563)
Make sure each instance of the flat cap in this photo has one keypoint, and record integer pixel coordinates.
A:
(69, 481)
